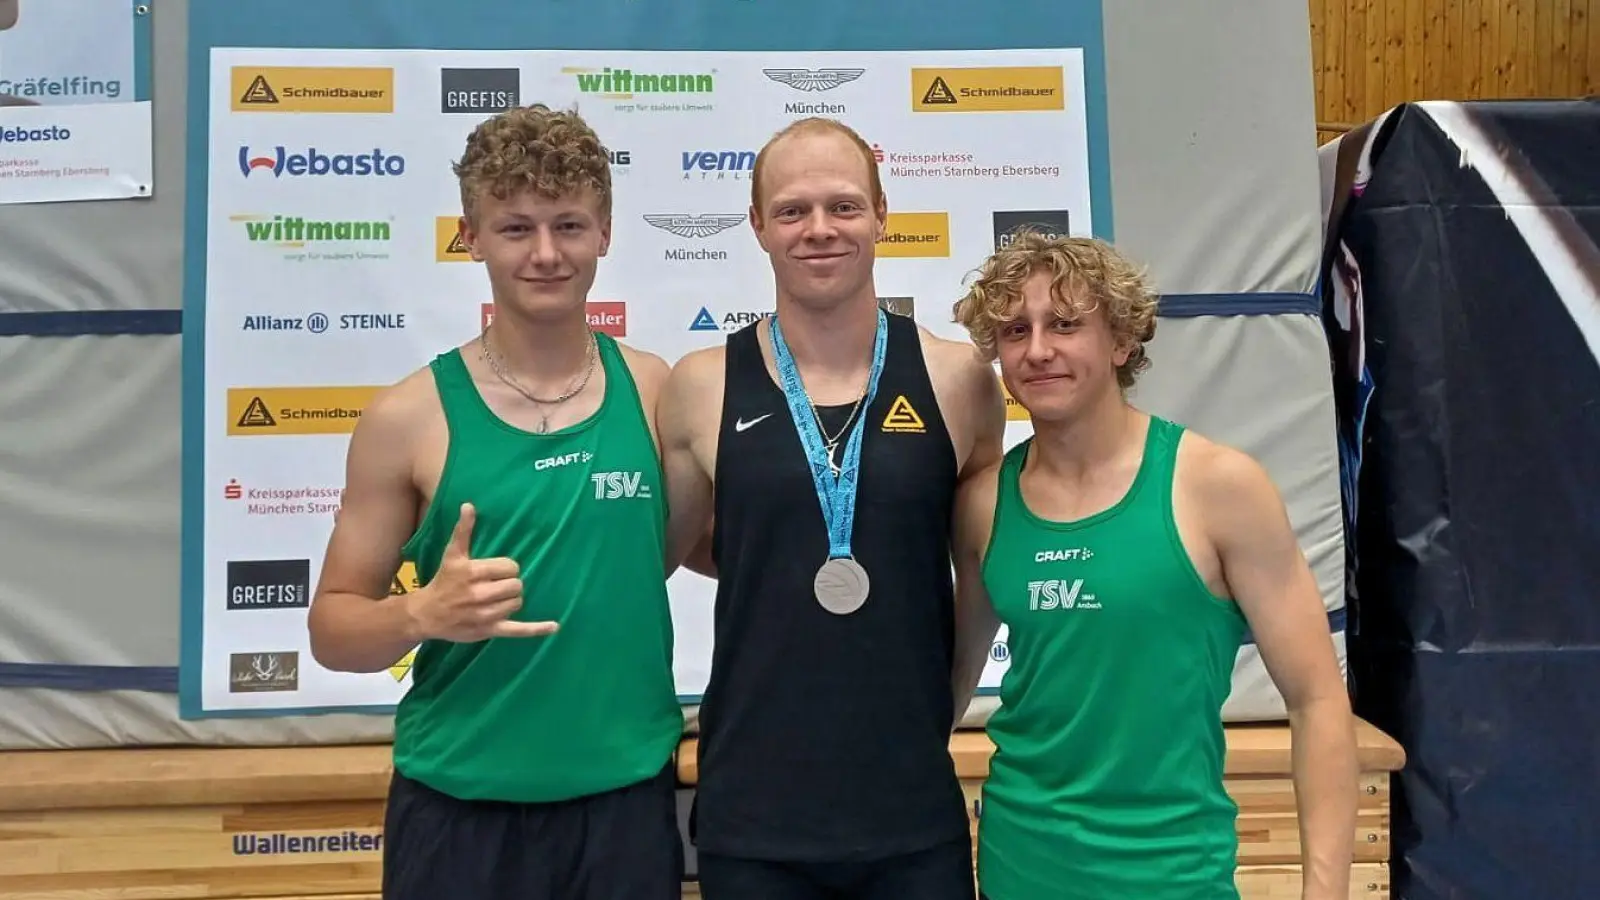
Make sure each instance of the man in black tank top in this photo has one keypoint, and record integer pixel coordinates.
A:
(824, 759)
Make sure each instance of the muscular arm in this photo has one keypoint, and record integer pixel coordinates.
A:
(976, 623)
(1268, 575)
(980, 406)
(356, 626)
(686, 419)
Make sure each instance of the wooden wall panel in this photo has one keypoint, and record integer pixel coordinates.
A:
(1370, 55)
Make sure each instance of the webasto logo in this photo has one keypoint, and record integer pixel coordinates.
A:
(280, 162)
(34, 135)
(625, 83)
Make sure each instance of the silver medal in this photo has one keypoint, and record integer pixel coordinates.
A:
(841, 586)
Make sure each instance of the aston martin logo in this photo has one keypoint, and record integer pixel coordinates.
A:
(814, 79)
(694, 226)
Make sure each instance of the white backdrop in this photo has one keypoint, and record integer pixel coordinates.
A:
(331, 271)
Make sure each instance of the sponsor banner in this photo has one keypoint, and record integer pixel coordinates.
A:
(74, 124)
(331, 238)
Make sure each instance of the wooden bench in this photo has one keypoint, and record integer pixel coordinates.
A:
(306, 823)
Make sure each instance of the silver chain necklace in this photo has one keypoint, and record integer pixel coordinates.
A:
(497, 365)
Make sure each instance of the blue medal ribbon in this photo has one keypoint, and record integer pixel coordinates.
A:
(836, 495)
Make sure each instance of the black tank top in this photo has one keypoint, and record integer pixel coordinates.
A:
(826, 737)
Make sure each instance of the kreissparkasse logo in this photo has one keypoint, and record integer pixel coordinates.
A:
(269, 584)
(479, 91)
(278, 411)
(265, 672)
(900, 306)
(1049, 223)
(915, 235)
(694, 226)
(312, 89)
(988, 89)
(814, 80)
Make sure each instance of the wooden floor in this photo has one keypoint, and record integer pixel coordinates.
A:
(307, 823)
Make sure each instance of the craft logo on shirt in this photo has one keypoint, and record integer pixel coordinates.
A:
(448, 245)
(915, 234)
(1052, 224)
(269, 584)
(258, 673)
(304, 89)
(479, 91)
(902, 418)
(988, 89)
(277, 411)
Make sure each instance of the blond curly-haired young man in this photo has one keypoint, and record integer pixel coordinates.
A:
(519, 472)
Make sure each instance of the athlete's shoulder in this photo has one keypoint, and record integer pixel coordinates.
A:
(414, 395)
(1220, 475)
(648, 369)
(700, 368)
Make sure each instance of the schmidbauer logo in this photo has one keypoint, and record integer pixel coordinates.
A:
(280, 162)
(306, 89)
(693, 228)
(988, 89)
(34, 135)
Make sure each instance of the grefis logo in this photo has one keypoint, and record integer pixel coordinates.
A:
(718, 165)
(280, 162)
(41, 135)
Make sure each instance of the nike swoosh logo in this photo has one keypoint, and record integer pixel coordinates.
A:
(742, 425)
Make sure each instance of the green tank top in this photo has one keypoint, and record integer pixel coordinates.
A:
(1106, 783)
(593, 706)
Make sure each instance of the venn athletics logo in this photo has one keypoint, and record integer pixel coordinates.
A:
(313, 162)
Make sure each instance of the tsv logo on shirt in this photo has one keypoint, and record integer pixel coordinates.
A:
(1059, 593)
(620, 485)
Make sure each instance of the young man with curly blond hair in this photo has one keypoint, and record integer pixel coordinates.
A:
(520, 473)
(1128, 556)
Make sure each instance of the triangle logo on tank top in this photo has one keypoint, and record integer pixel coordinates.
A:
(903, 418)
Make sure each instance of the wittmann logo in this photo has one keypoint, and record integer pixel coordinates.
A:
(262, 673)
(1050, 223)
(269, 584)
(479, 91)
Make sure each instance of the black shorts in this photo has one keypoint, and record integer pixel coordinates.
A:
(940, 873)
(621, 845)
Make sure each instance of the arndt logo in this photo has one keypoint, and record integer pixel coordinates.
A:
(915, 234)
(997, 89)
(313, 162)
(626, 84)
(276, 411)
(297, 89)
